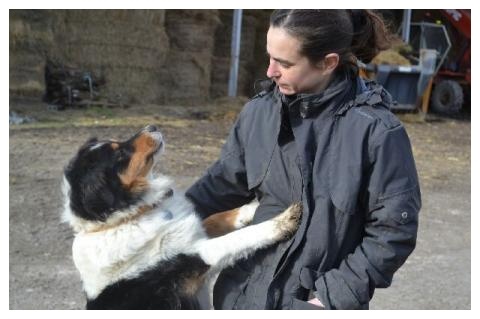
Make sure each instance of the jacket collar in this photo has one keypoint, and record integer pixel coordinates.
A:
(311, 104)
(343, 91)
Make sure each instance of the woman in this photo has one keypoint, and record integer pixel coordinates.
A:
(321, 135)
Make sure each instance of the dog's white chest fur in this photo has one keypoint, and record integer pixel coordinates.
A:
(124, 251)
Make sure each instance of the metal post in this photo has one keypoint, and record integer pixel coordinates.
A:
(407, 17)
(235, 53)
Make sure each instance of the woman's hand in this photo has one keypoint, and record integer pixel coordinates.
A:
(316, 302)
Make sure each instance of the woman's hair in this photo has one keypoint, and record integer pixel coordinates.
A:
(349, 33)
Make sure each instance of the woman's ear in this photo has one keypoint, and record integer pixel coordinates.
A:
(330, 63)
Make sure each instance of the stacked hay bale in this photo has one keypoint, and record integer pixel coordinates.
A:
(127, 48)
(221, 57)
(261, 58)
(141, 56)
(30, 39)
(188, 67)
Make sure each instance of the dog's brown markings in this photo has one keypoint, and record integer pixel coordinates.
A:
(133, 178)
(221, 223)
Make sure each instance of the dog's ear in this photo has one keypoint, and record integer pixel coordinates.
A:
(96, 194)
(99, 203)
(98, 197)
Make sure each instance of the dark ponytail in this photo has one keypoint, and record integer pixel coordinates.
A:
(370, 35)
(351, 34)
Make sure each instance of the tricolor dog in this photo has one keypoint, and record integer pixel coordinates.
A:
(138, 243)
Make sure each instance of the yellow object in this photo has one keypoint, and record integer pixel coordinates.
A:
(426, 96)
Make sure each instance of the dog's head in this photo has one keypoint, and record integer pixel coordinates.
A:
(105, 177)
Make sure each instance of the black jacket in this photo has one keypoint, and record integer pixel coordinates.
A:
(349, 160)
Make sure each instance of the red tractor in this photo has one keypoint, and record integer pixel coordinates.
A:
(452, 82)
(440, 57)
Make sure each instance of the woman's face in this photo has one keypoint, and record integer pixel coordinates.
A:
(292, 72)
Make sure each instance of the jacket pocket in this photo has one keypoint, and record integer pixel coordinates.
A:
(256, 166)
(304, 305)
(344, 187)
(345, 199)
(307, 278)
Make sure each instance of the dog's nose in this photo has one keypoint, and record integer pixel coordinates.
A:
(151, 128)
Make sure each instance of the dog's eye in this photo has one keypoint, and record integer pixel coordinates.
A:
(122, 154)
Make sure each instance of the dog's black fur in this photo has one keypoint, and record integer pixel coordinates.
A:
(156, 288)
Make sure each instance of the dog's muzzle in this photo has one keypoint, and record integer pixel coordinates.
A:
(155, 134)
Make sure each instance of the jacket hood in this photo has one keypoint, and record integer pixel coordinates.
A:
(368, 92)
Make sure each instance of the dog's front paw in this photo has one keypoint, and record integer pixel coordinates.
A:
(288, 222)
(245, 214)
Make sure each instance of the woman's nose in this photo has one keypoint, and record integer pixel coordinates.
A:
(272, 70)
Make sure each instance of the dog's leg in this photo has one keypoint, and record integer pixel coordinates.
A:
(226, 222)
(224, 251)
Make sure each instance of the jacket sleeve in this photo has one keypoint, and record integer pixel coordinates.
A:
(224, 184)
(394, 202)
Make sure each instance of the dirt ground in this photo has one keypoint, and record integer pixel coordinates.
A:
(42, 274)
